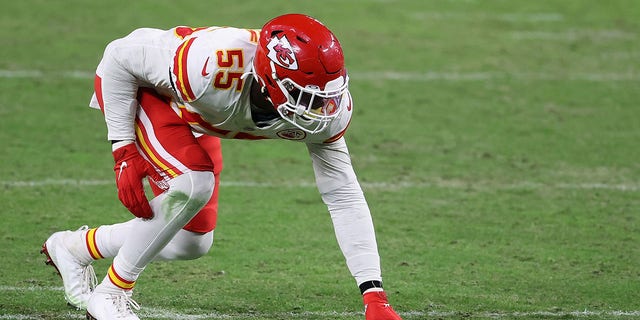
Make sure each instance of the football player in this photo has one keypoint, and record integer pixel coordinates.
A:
(167, 97)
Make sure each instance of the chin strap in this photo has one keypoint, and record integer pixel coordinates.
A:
(263, 88)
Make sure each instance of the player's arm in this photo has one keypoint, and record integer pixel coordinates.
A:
(142, 58)
(349, 210)
(353, 226)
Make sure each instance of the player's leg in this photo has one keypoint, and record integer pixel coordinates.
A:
(166, 142)
(72, 252)
(190, 243)
(196, 238)
(206, 220)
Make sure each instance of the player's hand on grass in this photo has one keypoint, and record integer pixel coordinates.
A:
(130, 169)
(376, 307)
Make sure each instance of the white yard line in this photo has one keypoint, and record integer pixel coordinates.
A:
(488, 16)
(572, 35)
(435, 183)
(390, 76)
(161, 313)
(29, 288)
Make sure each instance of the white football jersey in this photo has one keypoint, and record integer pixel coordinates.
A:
(206, 70)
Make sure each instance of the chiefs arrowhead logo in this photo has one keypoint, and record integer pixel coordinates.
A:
(281, 52)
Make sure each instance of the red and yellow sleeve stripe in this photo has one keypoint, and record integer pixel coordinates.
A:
(181, 72)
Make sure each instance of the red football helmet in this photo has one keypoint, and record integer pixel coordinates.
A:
(300, 65)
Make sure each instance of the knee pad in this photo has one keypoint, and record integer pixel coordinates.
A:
(187, 194)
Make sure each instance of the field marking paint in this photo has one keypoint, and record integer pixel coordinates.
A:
(38, 74)
(507, 17)
(30, 288)
(435, 183)
(160, 313)
(489, 76)
(393, 75)
(423, 76)
(572, 35)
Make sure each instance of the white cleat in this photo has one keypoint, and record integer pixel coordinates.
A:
(78, 278)
(108, 305)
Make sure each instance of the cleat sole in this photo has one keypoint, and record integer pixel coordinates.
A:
(49, 261)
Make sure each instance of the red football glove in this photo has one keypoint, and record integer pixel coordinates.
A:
(130, 169)
(376, 307)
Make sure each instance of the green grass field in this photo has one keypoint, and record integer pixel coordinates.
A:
(497, 143)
